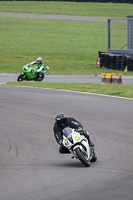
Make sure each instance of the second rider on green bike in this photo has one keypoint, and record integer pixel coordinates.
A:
(39, 64)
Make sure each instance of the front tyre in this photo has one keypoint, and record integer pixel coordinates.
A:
(20, 78)
(82, 157)
(40, 77)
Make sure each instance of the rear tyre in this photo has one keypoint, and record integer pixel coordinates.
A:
(82, 157)
(94, 158)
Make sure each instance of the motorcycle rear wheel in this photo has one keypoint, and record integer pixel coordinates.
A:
(94, 158)
(82, 158)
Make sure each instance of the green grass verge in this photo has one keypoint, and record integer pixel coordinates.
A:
(67, 47)
(118, 10)
(113, 90)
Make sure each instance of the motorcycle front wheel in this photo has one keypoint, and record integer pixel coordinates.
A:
(40, 78)
(82, 157)
(20, 78)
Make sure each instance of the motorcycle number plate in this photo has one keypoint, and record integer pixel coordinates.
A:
(66, 142)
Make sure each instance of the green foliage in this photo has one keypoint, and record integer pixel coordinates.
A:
(118, 10)
(66, 46)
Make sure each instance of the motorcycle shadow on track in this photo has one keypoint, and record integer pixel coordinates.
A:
(73, 164)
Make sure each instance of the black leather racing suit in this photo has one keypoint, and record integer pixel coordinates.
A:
(67, 122)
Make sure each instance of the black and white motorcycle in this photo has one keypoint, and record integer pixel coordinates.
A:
(78, 146)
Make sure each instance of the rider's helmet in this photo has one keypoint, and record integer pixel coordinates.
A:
(60, 118)
(39, 60)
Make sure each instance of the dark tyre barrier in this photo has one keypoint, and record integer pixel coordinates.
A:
(107, 60)
(116, 61)
(102, 59)
(130, 63)
(112, 61)
(123, 63)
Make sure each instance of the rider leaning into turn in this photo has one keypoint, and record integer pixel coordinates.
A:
(61, 122)
(38, 63)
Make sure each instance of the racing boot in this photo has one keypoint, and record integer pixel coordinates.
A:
(91, 143)
(89, 140)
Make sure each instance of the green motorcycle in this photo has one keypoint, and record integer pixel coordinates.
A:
(31, 73)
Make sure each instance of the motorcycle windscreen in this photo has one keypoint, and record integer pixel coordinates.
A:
(67, 131)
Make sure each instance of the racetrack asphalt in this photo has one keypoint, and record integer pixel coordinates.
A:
(31, 167)
(64, 17)
(7, 77)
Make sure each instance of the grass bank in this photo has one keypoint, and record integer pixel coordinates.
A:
(119, 10)
(113, 90)
(66, 46)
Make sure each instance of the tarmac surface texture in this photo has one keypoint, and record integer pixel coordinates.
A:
(30, 165)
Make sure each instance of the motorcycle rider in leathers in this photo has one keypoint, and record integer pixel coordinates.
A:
(61, 122)
(39, 64)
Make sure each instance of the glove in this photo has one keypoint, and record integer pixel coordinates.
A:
(87, 132)
(79, 129)
(40, 69)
